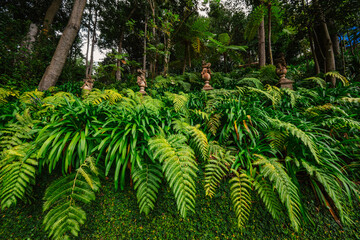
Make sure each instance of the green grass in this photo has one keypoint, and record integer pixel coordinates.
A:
(115, 215)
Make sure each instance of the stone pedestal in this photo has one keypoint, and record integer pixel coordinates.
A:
(286, 83)
(141, 81)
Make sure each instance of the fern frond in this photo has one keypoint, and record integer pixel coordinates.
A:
(331, 185)
(292, 94)
(15, 133)
(341, 122)
(198, 140)
(337, 75)
(202, 115)
(17, 174)
(278, 140)
(323, 108)
(62, 196)
(96, 96)
(214, 123)
(179, 167)
(146, 183)
(319, 81)
(286, 189)
(180, 101)
(349, 100)
(251, 82)
(268, 196)
(298, 133)
(240, 196)
(217, 167)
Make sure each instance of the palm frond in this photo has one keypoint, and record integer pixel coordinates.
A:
(337, 75)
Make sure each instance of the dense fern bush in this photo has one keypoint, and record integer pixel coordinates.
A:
(263, 140)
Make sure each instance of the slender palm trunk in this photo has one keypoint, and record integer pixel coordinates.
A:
(145, 35)
(271, 61)
(93, 42)
(261, 46)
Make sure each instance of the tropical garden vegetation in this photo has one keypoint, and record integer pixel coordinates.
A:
(179, 155)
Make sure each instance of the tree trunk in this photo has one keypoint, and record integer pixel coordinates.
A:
(93, 42)
(118, 62)
(316, 61)
(51, 13)
(261, 48)
(30, 38)
(328, 45)
(271, 61)
(145, 35)
(167, 42)
(343, 49)
(54, 70)
(185, 56)
(88, 47)
(189, 55)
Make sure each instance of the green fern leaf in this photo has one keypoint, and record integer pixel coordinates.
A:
(240, 196)
(288, 192)
(17, 174)
(268, 196)
(61, 198)
(179, 167)
(298, 133)
(217, 167)
(146, 183)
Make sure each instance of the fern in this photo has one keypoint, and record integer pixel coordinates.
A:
(61, 199)
(147, 182)
(323, 108)
(240, 196)
(16, 133)
(217, 167)
(287, 190)
(298, 133)
(349, 100)
(17, 174)
(341, 122)
(331, 185)
(319, 81)
(214, 123)
(198, 140)
(251, 82)
(179, 167)
(268, 196)
(96, 96)
(180, 102)
(337, 75)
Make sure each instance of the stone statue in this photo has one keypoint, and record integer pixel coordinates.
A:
(206, 75)
(281, 71)
(141, 80)
(88, 84)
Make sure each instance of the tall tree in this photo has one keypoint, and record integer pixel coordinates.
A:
(68, 36)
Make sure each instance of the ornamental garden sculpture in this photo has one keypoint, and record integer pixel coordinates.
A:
(206, 75)
(141, 81)
(281, 72)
